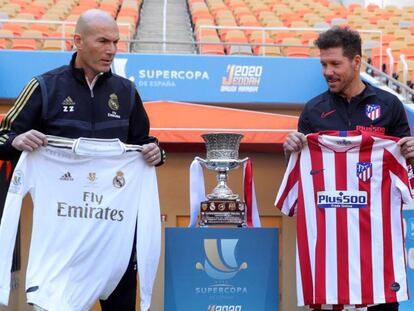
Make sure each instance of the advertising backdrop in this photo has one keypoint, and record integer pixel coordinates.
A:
(217, 269)
(194, 78)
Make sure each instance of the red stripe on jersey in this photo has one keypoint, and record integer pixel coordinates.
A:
(320, 248)
(365, 238)
(303, 250)
(342, 251)
(389, 277)
(386, 231)
(292, 180)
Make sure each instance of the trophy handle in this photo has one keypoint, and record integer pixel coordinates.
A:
(201, 160)
(244, 160)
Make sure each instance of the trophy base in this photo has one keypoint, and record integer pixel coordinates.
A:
(223, 213)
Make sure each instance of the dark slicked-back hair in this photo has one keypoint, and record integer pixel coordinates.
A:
(341, 37)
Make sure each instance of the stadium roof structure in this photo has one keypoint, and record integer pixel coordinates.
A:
(181, 124)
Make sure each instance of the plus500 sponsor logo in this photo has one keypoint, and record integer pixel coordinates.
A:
(224, 308)
(341, 199)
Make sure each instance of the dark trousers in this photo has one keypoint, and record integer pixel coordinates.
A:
(381, 307)
(124, 296)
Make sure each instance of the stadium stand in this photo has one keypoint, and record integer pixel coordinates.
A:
(215, 27)
(52, 21)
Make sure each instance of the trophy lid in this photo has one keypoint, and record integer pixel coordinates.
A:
(223, 146)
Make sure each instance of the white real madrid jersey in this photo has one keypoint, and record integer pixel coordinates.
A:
(85, 213)
(347, 189)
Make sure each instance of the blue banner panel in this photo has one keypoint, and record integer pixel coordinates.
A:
(193, 78)
(409, 245)
(215, 269)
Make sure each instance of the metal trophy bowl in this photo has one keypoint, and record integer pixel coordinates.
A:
(223, 206)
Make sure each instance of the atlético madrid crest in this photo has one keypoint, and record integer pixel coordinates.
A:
(364, 170)
(373, 111)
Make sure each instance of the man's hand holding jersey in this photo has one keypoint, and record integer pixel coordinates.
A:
(294, 143)
(407, 147)
(29, 141)
(152, 153)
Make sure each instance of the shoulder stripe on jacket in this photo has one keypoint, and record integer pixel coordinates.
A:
(19, 104)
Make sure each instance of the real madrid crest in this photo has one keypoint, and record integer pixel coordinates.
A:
(119, 180)
(113, 102)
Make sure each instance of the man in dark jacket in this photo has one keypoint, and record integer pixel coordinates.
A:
(350, 104)
(84, 99)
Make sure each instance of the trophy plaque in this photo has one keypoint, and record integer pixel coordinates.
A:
(222, 207)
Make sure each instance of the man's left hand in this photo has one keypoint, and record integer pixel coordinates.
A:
(407, 147)
(151, 153)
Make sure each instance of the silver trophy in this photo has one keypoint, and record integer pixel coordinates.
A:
(223, 207)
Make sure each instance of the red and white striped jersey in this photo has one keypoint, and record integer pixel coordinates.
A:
(347, 190)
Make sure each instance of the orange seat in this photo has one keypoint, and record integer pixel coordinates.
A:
(280, 36)
(205, 32)
(36, 10)
(308, 37)
(53, 45)
(376, 59)
(200, 15)
(297, 51)
(110, 8)
(267, 51)
(4, 44)
(16, 28)
(211, 49)
(128, 11)
(408, 52)
(122, 46)
(24, 44)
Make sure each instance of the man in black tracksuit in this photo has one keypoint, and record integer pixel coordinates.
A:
(350, 104)
(84, 99)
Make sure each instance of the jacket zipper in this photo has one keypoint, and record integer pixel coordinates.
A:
(91, 85)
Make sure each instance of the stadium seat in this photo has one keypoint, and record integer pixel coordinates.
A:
(15, 28)
(53, 45)
(110, 8)
(297, 51)
(4, 44)
(281, 35)
(123, 47)
(205, 32)
(376, 59)
(212, 49)
(11, 9)
(268, 51)
(408, 52)
(24, 44)
(409, 41)
(308, 38)
(37, 10)
(239, 50)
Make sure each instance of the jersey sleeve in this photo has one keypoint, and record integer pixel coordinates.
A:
(20, 184)
(399, 126)
(148, 236)
(304, 125)
(22, 117)
(287, 197)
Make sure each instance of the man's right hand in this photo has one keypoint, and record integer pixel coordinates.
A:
(29, 141)
(294, 142)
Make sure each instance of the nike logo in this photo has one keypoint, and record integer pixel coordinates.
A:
(326, 114)
(314, 172)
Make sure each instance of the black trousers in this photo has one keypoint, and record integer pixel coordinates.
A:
(125, 294)
(381, 307)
